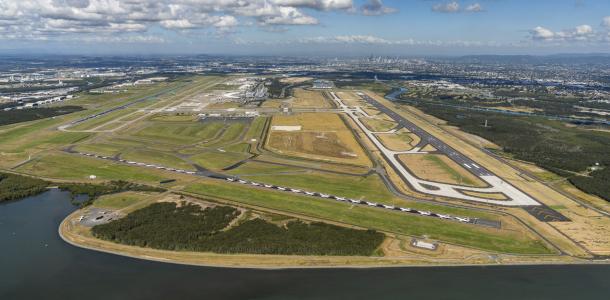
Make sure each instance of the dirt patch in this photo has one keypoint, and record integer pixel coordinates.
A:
(316, 143)
(323, 136)
(309, 99)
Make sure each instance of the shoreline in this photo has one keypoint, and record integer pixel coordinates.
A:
(235, 261)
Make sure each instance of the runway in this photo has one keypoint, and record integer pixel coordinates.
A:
(495, 184)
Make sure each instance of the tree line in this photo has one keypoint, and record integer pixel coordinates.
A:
(93, 191)
(189, 228)
(25, 115)
(549, 144)
(13, 187)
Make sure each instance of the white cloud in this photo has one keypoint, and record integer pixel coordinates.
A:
(449, 7)
(583, 30)
(541, 33)
(316, 4)
(606, 22)
(288, 16)
(581, 33)
(475, 7)
(376, 8)
(29, 18)
(374, 40)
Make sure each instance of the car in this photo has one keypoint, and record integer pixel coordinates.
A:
(443, 216)
(255, 183)
(324, 196)
(354, 201)
(405, 209)
(190, 172)
(230, 179)
(424, 213)
(310, 193)
(295, 190)
(464, 219)
(388, 206)
(340, 198)
(268, 185)
(371, 203)
(281, 188)
(242, 181)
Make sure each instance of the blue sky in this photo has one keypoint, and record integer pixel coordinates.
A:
(306, 27)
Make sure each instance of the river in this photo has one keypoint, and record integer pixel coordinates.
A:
(36, 264)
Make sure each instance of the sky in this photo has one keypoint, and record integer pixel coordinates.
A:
(305, 27)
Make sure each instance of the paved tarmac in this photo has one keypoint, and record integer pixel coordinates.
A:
(495, 183)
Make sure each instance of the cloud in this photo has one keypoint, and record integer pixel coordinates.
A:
(475, 7)
(317, 4)
(455, 7)
(374, 40)
(376, 8)
(449, 7)
(606, 22)
(288, 16)
(580, 33)
(48, 18)
(541, 33)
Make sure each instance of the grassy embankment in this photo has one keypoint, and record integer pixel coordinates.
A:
(488, 239)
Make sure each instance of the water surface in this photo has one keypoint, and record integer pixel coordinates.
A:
(36, 264)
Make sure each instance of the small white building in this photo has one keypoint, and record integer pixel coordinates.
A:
(423, 245)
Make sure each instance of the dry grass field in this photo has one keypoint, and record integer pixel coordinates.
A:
(401, 140)
(495, 196)
(323, 136)
(309, 99)
(293, 80)
(378, 124)
(439, 168)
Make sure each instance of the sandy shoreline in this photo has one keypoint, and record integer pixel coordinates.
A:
(275, 262)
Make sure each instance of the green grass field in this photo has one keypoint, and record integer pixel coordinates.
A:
(389, 221)
(120, 200)
(231, 134)
(157, 157)
(369, 187)
(180, 133)
(74, 167)
(454, 174)
(216, 160)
